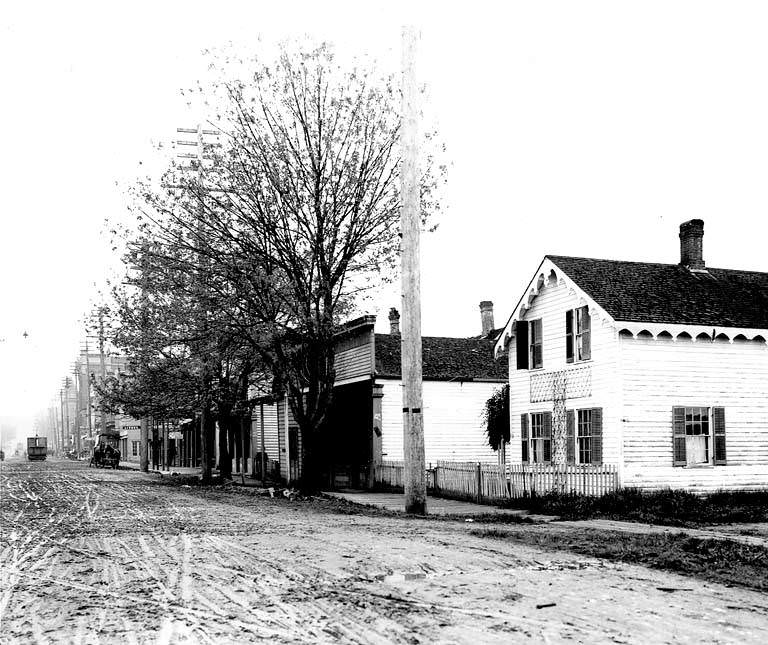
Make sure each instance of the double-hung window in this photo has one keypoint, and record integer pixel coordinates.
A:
(529, 344)
(535, 347)
(585, 436)
(538, 448)
(578, 335)
(698, 436)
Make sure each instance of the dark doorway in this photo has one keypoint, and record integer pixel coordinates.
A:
(345, 443)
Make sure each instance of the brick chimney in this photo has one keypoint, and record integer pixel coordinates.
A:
(394, 321)
(486, 316)
(692, 244)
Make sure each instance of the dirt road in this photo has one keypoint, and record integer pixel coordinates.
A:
(96, 556)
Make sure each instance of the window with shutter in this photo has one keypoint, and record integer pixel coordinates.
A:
(698, 436)
(589, 435)
(524, 436)
(583, 334)
(541, 437)
(535, 344)
(578, 335)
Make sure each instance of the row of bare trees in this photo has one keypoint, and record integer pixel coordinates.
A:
(240, 270)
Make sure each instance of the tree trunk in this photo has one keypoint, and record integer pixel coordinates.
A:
(235, 442)
(309, 481)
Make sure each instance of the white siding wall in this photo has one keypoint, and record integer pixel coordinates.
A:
(271, 440)
(550, 305)
(660, 374)
(453, 428)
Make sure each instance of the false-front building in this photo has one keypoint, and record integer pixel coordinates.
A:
(660, 369)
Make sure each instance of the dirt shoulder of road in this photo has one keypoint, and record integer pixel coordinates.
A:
(722, 560)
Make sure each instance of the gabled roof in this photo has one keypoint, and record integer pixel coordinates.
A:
(671, 293)
(455, 359)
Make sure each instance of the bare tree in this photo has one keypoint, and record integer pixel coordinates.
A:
(298, 215)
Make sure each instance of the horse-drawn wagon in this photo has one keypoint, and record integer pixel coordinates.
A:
(106, 453)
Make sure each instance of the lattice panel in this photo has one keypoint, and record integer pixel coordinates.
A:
(578, 383)
(559, 390)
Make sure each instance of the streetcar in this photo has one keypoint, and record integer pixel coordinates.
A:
(37, 448)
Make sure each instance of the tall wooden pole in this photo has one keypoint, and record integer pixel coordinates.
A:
(103, 366)
(413, 419)
(88, 383)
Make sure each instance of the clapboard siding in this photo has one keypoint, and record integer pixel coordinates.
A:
(550, 305)
(453, 428)
(660, 374)
(354, 362)
(271, 439)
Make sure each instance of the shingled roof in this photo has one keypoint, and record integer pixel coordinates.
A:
(671, 293)
(443, 359)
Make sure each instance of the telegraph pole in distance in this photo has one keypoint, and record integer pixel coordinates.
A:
(89, 407)
(103, 366)
(413, 420)
(76, 374)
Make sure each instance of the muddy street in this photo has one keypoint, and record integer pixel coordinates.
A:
(103, 556)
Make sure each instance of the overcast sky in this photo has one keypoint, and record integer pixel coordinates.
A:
(578, 128)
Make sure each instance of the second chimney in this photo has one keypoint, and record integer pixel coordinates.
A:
(486, 316)
(692, 244)
(394, 321)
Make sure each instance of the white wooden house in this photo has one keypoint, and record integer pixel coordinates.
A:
(660, 369)
(365, 423)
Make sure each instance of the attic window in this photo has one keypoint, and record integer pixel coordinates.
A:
(578, 335)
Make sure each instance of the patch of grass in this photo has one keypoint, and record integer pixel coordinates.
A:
(723, 561)
(669, 507)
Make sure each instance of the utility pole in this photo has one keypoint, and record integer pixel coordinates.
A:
(199, 157)
(413, 419)
(145, 420)
(76, 374)
(88, 391)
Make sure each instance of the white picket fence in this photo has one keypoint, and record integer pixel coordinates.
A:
(488, 481)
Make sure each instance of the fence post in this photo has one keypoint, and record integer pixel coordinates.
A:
(479, 482)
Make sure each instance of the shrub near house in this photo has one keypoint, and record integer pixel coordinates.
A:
(660, 369)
